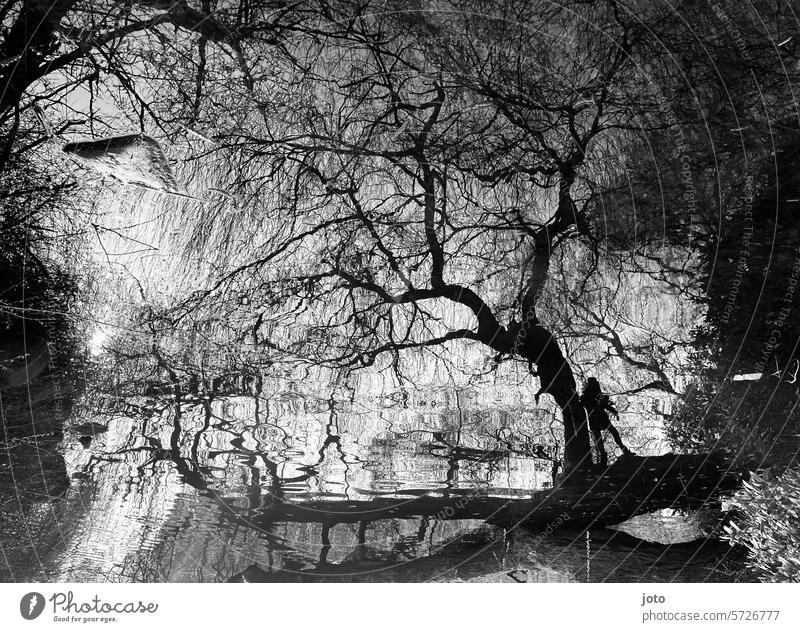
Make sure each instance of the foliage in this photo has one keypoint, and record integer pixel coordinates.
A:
(769, 526)
(37, 203)
(753, 422)
(44, 282)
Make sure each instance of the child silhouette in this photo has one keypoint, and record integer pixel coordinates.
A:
(597, 407)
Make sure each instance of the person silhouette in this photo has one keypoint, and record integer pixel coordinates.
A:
(598, 405)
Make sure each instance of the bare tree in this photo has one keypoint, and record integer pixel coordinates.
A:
(425, 176)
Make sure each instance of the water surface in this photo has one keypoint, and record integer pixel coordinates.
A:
(263, 487)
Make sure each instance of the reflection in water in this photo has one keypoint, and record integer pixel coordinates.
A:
(186, 490)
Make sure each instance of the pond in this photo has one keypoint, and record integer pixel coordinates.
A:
(284, 486)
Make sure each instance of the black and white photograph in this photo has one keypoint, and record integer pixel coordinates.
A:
(421, 292)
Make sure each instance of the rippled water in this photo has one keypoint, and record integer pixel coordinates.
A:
(287, 487)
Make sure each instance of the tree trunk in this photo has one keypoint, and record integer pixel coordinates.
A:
(537, 345)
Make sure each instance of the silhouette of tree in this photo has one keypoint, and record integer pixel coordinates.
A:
(429, 171)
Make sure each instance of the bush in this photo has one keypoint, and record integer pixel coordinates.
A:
(769, 525)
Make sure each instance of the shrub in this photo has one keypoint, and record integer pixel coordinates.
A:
(769, 525)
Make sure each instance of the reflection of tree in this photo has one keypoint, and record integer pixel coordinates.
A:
(523, 556)
(456, 455)
(183, 450)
